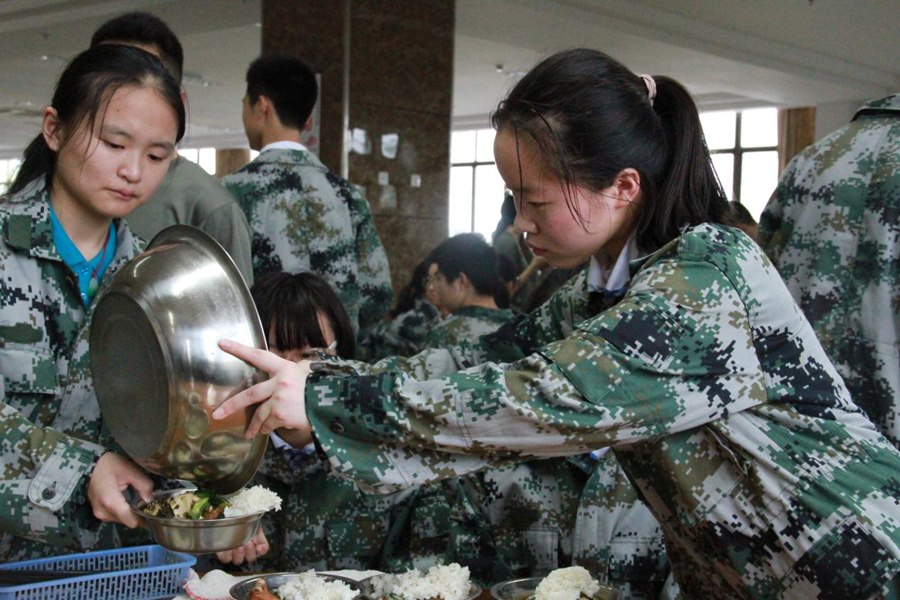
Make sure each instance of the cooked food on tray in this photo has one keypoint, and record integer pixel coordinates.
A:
(205, 505)
(441, 582)
(307, 586)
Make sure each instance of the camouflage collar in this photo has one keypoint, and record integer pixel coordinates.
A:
(294, 157)
(25, 222)
(887, 105)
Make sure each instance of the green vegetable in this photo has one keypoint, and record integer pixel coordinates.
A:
(198, 507)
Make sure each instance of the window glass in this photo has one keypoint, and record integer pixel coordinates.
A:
(719, 128)
(759, 128)
(489, 189)
(207, 160)
(724, 165)
(460, 218)
(462, 146)
(484, 151)
(759, 176)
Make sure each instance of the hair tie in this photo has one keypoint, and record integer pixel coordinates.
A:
(651, 87)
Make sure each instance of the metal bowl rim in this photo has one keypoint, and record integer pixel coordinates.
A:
(356, 585)
(474, 589)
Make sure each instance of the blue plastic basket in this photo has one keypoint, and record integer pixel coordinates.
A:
(138, 573)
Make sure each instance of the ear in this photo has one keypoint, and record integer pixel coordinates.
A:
(308, 125)
(628, 187)
(50, 128)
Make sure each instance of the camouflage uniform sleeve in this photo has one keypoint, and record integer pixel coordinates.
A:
(45, 481)
(373, 272)
(631, 373)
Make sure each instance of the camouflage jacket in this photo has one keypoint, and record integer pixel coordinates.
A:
(832, 228)
(465, 324)
(305, 218)
(404, 335)
(48, 389)
(712, 389)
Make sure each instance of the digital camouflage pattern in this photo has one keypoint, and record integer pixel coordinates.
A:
(715, 395)
(543, 514)
(305, 218)
(832, 228)
(466, 324)
(44, 364)
(616, 537)
(325, 523)
(189, 195)
(404, 335)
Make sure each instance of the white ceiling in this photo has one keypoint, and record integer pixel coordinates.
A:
(729, 53)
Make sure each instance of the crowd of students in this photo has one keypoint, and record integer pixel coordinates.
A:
(664, 414)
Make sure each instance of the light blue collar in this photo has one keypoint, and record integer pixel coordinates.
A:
(89, 272)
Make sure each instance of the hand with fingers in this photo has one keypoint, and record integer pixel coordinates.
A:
(112, 475)
(280, 399)
(249, 552)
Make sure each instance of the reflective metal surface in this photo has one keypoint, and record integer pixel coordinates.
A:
(241, 591)
(158, 370)
(515, 589)
(199, 536)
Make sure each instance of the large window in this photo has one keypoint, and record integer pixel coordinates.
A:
(743, 146)
(476, 189)
(745, 154)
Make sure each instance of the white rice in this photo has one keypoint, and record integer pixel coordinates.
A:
(446, 582)
(566, 584)
(310, 587)
(252, 500)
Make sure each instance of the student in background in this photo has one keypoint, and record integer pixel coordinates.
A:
(832, 228)
(303, 216)
(325, 522)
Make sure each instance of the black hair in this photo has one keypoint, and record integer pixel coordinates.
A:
(740, 215)
(292, 302)
(288, 83)
(469, 253)
(144, 28)
(507, 214)
(413, 290)
(83, 92)
(591, 118)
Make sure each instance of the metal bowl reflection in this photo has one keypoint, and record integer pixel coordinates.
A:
(199, 536)
(157, 368)
(515, 589)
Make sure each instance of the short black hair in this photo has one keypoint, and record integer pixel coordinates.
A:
(292, 302)
(288, 83)
(468, 253)
(144, 28)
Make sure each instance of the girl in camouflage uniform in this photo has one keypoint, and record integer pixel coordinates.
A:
(106, 143)
(694, 364)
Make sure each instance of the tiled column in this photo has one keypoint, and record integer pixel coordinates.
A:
(386, 69)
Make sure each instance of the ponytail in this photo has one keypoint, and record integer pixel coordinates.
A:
(37, 160)
(689, 191)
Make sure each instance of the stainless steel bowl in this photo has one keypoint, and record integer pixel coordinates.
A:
(367, 587)
(241, 591)
(157, 368)
(515, 589)
(523, 589)
(199, 536)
